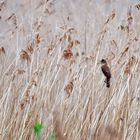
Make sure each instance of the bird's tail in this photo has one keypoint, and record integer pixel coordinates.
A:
(108, 82)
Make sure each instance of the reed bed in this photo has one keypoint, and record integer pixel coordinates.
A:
(50, 69)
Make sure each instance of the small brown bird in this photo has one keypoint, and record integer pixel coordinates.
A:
(106, 71)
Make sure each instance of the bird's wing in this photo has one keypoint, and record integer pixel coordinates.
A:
(106, 71)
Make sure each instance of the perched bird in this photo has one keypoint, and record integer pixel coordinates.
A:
(106, 71)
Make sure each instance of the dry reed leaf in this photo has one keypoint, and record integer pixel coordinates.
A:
(69, 38)
(24, 102)
(129, 16)
(15, 21)
(26, 98)
(122, 27)
(67, 53)
(137, 6)
(71, 30)
(33, 82)
(53, 44)
(49, 11)
(64, 27)
(34, 98)
(13, 18)
(30, 48)
(89, 58)
(22, 105)
(113, 14)
(49, 49)
(10, 17)
(69, 87)
(25, 56)
(129, 65)
(66, 37)
(2, 50)
(128, 46)
(136, 39)
(129, 19)
(125, 51)
(113, 42)
(111, 17)
(70, 45)
(39, 26)
(38, 39)
(76, 42)
(127, 29)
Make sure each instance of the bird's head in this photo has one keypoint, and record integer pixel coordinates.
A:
(103, 61)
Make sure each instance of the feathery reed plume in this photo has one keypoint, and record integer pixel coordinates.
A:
(69, 87)
(67, 53)
(129, 65)
(137, 6)
(2, 50)
(38, 39)
(25, 56)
